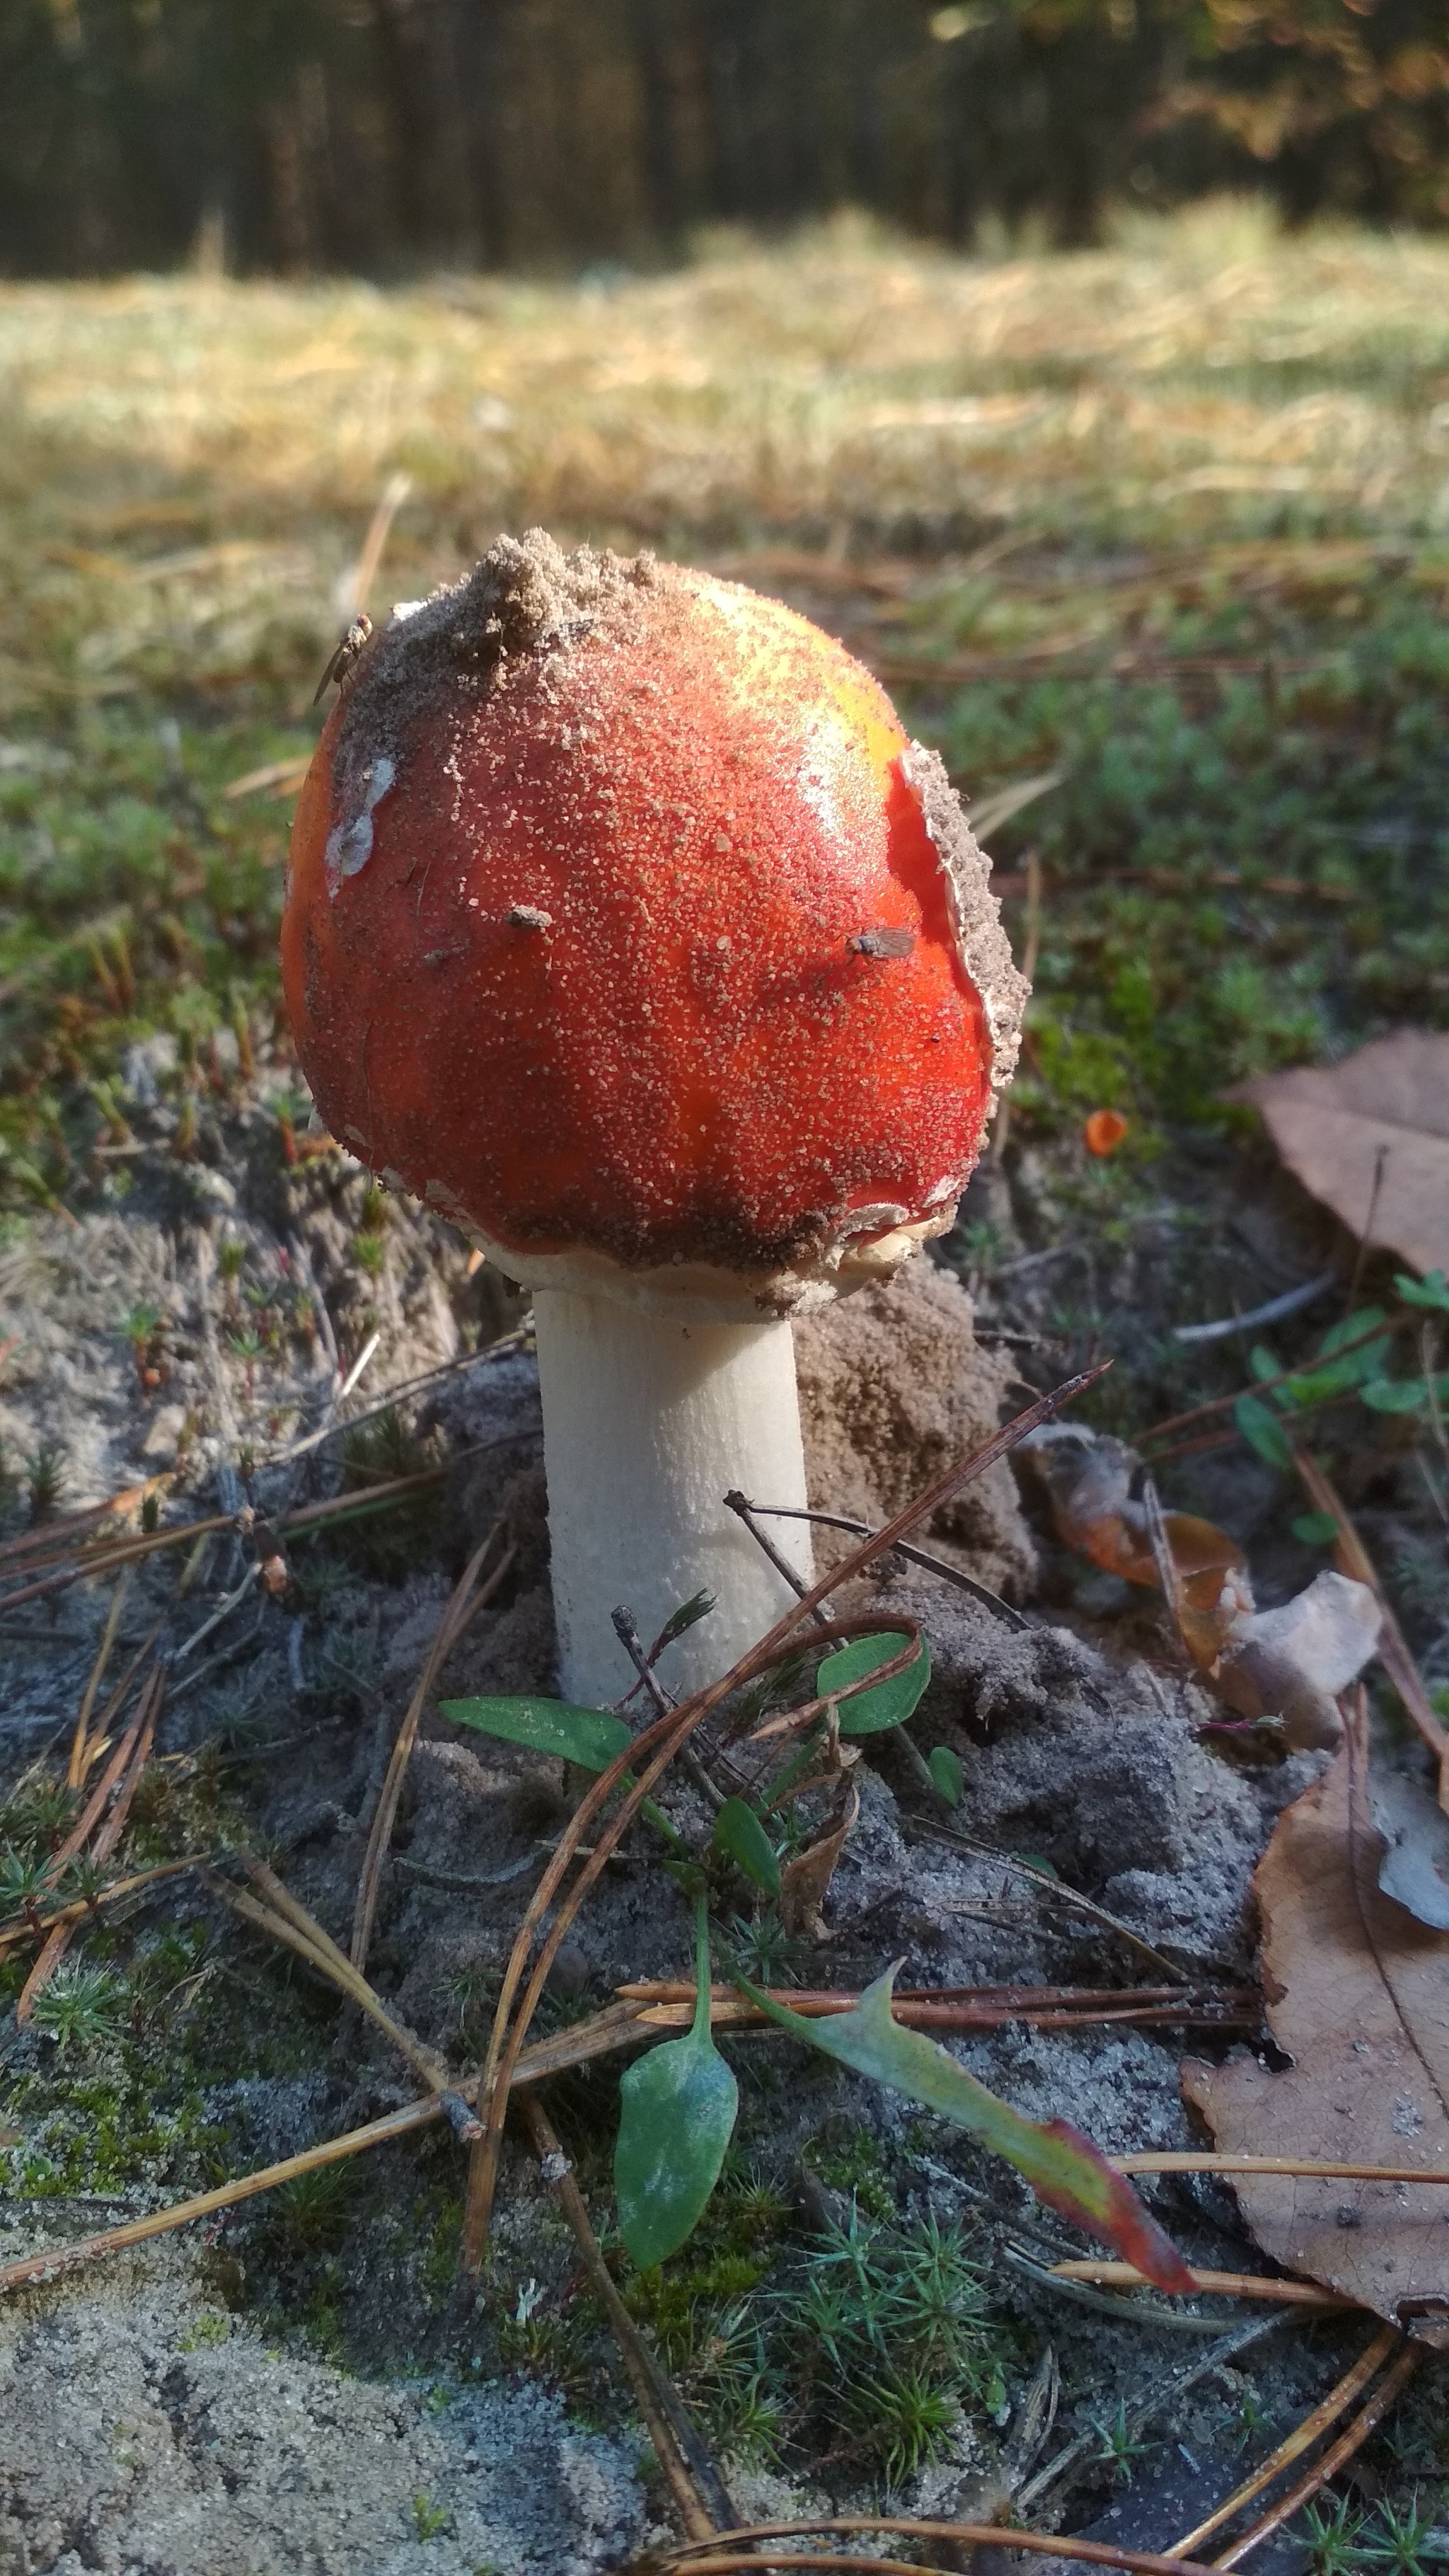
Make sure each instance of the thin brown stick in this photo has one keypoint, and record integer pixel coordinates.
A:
(1054, 1888)
(1189, 2161)
(1169, 1580)
(1393, 1647)
(81, 1830)
(659, 1742)
(461, 1608)
(58, 2259)
(1259, 1386)
(669, 2005)
(1236, 2285)
(13, 1933)
(265, 1918)
(141, 1737)
(76, 1767)
(645, 2378)
(52, 1534)
(921, 1556)
(1325, 2414)
(699, 2556)
(103, 1560)
(1330, 2461)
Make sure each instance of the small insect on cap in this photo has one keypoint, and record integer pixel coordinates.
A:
(626, 927)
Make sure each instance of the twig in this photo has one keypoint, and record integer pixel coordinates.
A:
(364, 572)
(224, 1608)
(1168, 1578)
(1110, 2303)
(691, 2476)
(1188, 2161)
(1236, 2285)
(629, 1638)
(461, 1608)
(57, 2259)
(501, 1349)
(669, 2004)
(699, 2558)
(735, 1502)
(362, 1362)
(1159, 2395)
(76, 1767)
(13, 1933)
(287, 1921)
(362, 1499)
(1380, 1164)
(1054, 1889)
(1275, 1311)
(861, 1529)
(1331, 2461)
(109, 1834)
(1301, 2439)
(1260, 1386)
(652, 1751)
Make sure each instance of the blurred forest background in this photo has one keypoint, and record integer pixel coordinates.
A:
(376, 136)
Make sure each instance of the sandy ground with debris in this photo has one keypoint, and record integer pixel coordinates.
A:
(144, 2427)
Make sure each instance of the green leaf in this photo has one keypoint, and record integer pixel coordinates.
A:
(1395, 1395)
(1349, 1328)
(945, 1769)
(1339, 1376)
(870, 1712)
(1315, 1529)
(1433, 1291)
(591, 1737)
(1264, 1364)
(679, 2106)
(1063, 2168)
(739, 1833)
(1262, 1431)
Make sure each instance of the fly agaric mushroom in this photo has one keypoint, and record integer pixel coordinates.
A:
(626, 928)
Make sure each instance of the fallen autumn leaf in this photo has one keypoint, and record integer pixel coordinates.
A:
(1370, 1138)
(1359, 2000)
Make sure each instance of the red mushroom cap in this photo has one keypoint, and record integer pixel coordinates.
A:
(625, 926)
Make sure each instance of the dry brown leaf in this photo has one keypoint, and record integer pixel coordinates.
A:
(1089, 1476)
(1359, 2000)
(805, 1879)
(1291, 1662)
(1370, 1138)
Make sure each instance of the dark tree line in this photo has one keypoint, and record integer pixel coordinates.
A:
(380, 135)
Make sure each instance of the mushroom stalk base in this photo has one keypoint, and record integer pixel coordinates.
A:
(648, 1423)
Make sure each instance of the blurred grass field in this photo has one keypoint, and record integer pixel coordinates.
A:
(1170, 519)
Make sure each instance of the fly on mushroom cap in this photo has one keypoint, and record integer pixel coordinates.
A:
(626, 927)
(749, 1033)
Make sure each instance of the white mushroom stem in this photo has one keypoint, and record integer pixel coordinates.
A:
(648, 1422)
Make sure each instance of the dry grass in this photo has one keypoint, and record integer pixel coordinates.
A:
(208, 452)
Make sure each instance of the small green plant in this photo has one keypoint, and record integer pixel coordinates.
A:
(369, 1251)
(1396, 2542)
(1331, 2534)
(81, 2008)
(47, 1478)
(22, 1885)
(890, 2323)
(428, 2518)
(311, 2212)
(1121, 2447)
